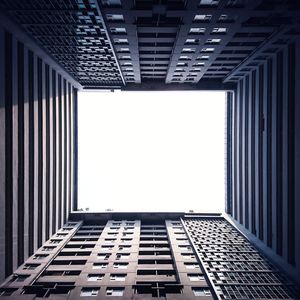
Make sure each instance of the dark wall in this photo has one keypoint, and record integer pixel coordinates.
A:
(37, 105)
(264, 144)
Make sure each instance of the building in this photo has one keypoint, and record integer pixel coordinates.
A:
(51, 49)
(184, 257)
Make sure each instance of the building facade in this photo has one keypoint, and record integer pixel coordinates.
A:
(49, 50)
(185, 257)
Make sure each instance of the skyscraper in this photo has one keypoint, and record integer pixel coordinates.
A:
(184, 257)
(51, 49)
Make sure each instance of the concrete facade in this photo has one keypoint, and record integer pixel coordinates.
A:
(191, 257)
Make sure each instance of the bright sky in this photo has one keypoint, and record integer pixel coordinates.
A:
(151, 151)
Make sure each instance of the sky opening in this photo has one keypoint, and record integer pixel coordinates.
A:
(151, 151)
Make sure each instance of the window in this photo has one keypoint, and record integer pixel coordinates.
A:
(106, 247)
(196, 277)
(89, 292)
(197, 30)
(39, 256)
(202, 18)
(213, 41)
(115, 17)
(117, 277)
(120, 265)
(109, 241)
(99, 265)
(122, 256)
(20, 278)
(192, 266)
(209, 2)
(115, 291)
(95, 277)
(124, 247)
(198, 291)
(188, 50)
(207, 49)
(219, 30)
(118, 30)
(104, 256)
(188, 256)
(30, 266)
(121, 41)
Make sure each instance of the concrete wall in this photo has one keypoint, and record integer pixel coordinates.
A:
(37, 146)
(264, 144)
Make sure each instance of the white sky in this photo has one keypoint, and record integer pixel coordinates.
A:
(151, 151)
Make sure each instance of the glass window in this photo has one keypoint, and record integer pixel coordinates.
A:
(89, 292)
(198, 291)
(115, 291)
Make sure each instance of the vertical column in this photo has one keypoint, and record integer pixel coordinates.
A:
(276, 86)
(26, 153)
(20, 99)
(297, 156)
(31, 152)
(43, 153)
(50, 148)
(59, 150)
(284, 158)
(2, 153)
(8, 154)
(15, 152)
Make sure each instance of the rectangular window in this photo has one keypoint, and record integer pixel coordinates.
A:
(196, 277)
(200, 292)
(117, 277)
(115, 291)
(120, 265)
(99, 266)
(95, 277)
(191, 266)
(89, 292)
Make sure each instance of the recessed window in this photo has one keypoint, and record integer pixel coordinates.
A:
(125, 247)
(120, 265)
(118, 30)
(95, 277)
(39, 256)
(181, 64)
(191, 41)
(207, 49)
(115, 291)
(219, 30)
(188, 50)
(202, 18)
(213, 41)
(192, 266)
(197, 30)
(115, 17)
(100, 266)
(104, 256)
(184, 57)
(122, 256)
(123, 50)
(208, 2)
(196, 277)
(117, 277)
(203, 57)
(20, 278)
(121, 41)
(89, 292)
(188, 256)
(30, 266)
(199, 291)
